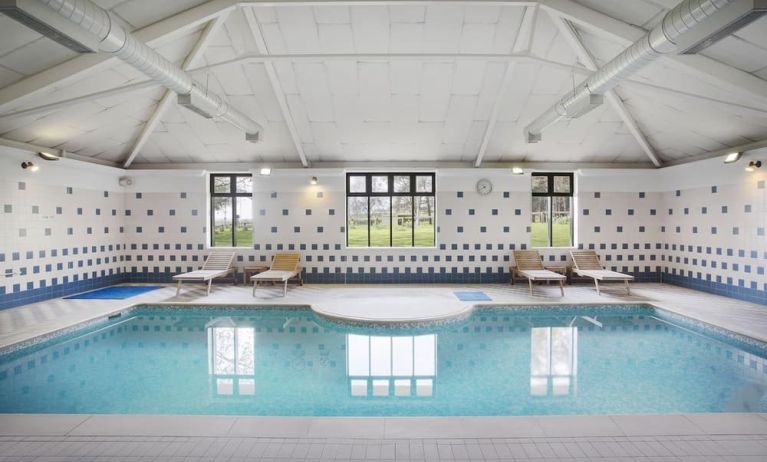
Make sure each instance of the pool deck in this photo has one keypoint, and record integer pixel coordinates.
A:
(201, 438)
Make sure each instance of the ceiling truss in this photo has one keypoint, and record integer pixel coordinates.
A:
(564, 12)
(167, 99)
(613, 97)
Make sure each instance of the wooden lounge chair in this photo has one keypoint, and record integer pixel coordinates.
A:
(218, 264)
(284, 267)
(587, 264)
(529, 265)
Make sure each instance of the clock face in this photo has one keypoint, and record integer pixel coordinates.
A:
(484, 186)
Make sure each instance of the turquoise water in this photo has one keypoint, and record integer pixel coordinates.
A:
(291, 362)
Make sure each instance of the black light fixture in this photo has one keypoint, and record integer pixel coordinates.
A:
(753, 165)
(29, 166)
(47, 155)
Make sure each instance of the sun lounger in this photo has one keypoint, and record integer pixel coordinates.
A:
(284, 267)
(218, 264)
(587, 264)
(529, 266)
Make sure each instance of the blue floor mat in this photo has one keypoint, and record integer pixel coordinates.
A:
(115, 293)
(472, 296)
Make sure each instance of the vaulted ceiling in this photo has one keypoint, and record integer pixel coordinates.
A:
(394, 81)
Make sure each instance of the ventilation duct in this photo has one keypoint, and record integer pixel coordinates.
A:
(83, 26)
(689, 27)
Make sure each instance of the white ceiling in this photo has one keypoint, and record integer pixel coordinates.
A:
(384, 108)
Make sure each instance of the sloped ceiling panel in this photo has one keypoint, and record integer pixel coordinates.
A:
(387, 109)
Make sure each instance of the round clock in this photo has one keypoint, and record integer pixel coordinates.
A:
(484, 186)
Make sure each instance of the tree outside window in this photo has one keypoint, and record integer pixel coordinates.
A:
(231, 210)
(552, 210)
(390, 210)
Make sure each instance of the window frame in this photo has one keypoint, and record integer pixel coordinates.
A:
(233, 194)
(390, 193)
(550, 194)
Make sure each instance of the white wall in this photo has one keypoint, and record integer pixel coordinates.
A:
(623, 214)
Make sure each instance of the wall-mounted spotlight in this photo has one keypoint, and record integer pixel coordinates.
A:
(29, 166)
(732, 157)
(517, 171)
(314, 180)
(753, 165)
(265, 171)
(47, 156)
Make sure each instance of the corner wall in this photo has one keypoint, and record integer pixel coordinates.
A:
(61, 228)
(713, 230)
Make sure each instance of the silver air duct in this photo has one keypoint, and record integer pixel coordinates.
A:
(86, 27)
(689, 27)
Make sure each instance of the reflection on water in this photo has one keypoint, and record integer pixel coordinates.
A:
(382, 366)
(289, 362)
(231, 358)
(553, 361)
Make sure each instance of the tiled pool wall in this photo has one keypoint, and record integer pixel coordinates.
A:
(69, 232)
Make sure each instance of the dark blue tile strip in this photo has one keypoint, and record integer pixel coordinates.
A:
(718, 288)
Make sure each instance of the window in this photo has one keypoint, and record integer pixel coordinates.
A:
(231, 210)
(390, 210)
(552, 216)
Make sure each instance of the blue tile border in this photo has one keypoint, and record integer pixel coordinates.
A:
(10, 300)
(718, 288)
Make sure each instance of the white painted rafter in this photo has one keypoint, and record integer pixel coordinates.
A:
(274, 81)
(613, 97)
(522, 43)
(167, 99)
(153, 35)
(50, 107)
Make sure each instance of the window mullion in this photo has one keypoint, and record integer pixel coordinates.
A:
(412, 220)
(551, 221)
(368, 221)
(233, 192)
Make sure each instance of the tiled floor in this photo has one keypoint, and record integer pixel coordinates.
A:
(701, 437)
(690, 437)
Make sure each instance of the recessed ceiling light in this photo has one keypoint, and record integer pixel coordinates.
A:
(732, 157)
(314, 180)
(29, 166)
(47, 155)
(517, 171)
(265, 171)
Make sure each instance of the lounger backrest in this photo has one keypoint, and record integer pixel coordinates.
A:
(586, 260)
(286, 261)
(218, 261)
(528, 260)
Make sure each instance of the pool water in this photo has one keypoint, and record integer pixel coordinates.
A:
(572, 360)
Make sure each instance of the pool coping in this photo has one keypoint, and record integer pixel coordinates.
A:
(529, 427)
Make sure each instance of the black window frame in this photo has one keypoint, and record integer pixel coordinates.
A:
(391, 194)
(550, 193)
(233, 194)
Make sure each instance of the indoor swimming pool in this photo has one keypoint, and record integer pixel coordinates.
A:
(291, 362)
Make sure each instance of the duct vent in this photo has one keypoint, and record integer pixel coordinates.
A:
(730, 20)
(50, 24)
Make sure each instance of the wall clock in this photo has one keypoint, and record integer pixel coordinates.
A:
(484, 187)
